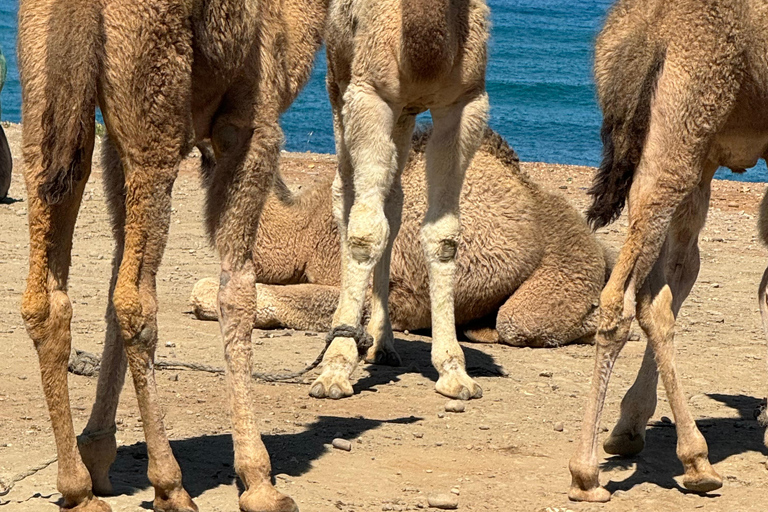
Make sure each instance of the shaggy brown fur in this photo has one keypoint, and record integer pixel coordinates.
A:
(166, 75)
(523, 253)
(684, 89)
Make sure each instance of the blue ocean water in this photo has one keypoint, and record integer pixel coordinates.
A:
(539, 81)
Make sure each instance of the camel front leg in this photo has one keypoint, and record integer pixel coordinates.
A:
(457, 133)
(379, 326)
(247, 151)
(365, 175)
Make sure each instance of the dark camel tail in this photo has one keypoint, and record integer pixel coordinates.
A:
(626, 117)
(72, 66)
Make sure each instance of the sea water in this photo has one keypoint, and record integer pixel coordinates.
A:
(539, 81)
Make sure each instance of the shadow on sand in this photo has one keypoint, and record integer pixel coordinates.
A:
(658, 462)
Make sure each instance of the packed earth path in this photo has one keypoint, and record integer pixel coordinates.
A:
(508, 451)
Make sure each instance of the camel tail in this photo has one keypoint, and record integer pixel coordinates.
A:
(71, 68)
(426, 37)
(627, 88)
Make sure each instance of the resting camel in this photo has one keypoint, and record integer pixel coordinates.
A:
(523, 253)
(684, 89)
(166, 75)
(388, 60)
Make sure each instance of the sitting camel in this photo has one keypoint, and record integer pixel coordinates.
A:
(166, 75)
(523, 253)
(388, 60)
(683, 88)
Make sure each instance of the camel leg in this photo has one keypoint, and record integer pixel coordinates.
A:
(47, 312)
(151, 133)
(246, 138)
(681, 269)
(762, 295)
(365, 175)
(458, 130)
(100, 450)
(379, 327)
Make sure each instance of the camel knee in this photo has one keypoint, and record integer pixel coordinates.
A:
(441, 239)
(136, 315)
(45, 315)
(367, 234)
(237, 294)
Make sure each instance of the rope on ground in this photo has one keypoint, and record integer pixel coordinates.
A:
(83, 439)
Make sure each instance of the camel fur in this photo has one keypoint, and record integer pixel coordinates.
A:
(388, 60)
(523, 253)
(167, 75)
(684, 89)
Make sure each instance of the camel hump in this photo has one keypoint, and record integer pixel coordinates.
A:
(426, 37)
(72, 52)
(626, 86)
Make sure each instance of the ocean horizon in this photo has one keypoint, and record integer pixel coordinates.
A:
(539, 81)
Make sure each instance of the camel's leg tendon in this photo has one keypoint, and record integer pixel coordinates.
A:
(457, 133)
(366, 171)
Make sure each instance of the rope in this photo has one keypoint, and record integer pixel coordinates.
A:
(87, 364)
(83, 439)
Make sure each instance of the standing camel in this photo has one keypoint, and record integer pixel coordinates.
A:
(684, 89)
(388, 60)
(166, 75)
(524, 253)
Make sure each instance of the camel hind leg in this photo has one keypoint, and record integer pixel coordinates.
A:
(681, 253)
(47, 312)
(670, 168)
(457, 133)
(762, 294)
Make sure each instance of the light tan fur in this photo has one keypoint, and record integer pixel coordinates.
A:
(377, 83)
(684, 89)
(523, 253)
(166, 75)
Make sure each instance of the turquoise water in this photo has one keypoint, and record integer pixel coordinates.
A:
(539, 81)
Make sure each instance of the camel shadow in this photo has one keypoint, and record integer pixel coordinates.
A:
(417, 358)
(658, 463)
(9, 200)
(207, 461)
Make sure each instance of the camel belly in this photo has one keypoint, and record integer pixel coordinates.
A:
(739, 150)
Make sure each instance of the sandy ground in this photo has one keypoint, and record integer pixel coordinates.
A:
(502, 454)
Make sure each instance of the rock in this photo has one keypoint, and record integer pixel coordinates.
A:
(634, 337)
(454, 406)
(441, 415)
(484, 427)
(558, 426)
(342, 444)
(545, 374)
(443, 501)
(666, 420)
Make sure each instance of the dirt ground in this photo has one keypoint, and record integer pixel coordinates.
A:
(502, 454)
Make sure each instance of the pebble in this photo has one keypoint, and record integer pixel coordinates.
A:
(664, 419)
(454, 406)
(443, 501)
(559, 426)
(441, 415)
(634, 337)
(545, 374)
(342, 444)
(484, 427)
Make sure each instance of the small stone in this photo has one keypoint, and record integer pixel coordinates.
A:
(443, 501)
(545, 374)
(666, 420)
(441, 415)
(170, 344)
(558, 426)
(342, 444)
(418, 435)
(174, 377)
(715, 285)
(484, 427)
(634, 337)
(455, 491)
(454, 406)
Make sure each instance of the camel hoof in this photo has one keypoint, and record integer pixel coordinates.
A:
(703, 482)
(89, 505)
(595, 495)
(457, 384)
(625, 444)
(331, 385)
(384, 357)
(266, 498)
(177, 501)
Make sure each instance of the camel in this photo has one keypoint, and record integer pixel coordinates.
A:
(167, 76)
(389, 60)
(522, 253)
(683, 87)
